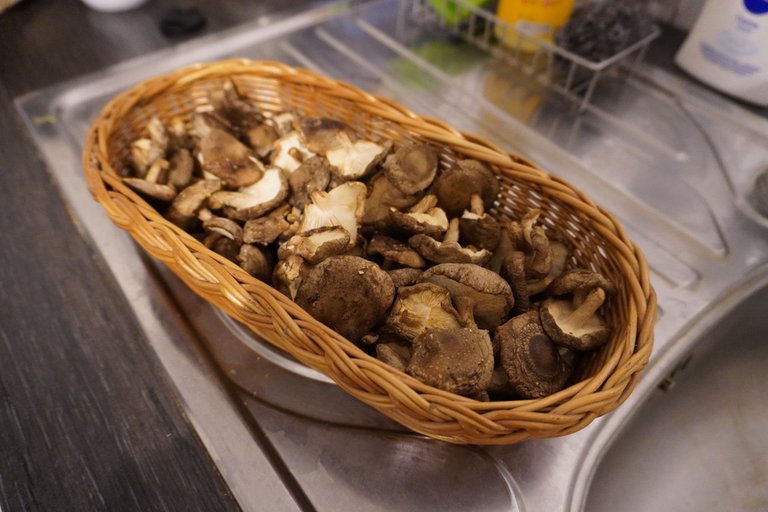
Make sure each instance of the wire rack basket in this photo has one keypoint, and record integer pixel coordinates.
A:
(557, 68)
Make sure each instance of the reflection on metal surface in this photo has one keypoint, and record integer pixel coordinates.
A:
(656, 151)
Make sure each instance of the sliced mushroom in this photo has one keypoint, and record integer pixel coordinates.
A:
(283, 122)
(579, 281)
(355, 160)
(262, 139)
(316, 244)
(312, 175)
(404, 276)
(256, 261)
(421, 307)
(288, 274)
(221, 154)
(529, 358)
(396, 355)
(267, 228)
(342, 206)
(184, 208)
(254, 200)
(146, 150)
(578, 327)
(151, 184)
(456, 360)
(478, 228)
(349, 294)
(422, 218)
(488, 291)
(383, 196)
(412, 168)
(235, 110)
(448, 250)
(181, 168)
(395, 251)
(290, 152)
(454, 188)
(221, 225)
(321, 134)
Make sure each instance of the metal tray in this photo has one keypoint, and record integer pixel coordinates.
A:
(673, 161)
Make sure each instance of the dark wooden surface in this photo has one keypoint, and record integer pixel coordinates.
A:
(87, 418)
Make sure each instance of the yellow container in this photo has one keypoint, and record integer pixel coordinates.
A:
(537, 19)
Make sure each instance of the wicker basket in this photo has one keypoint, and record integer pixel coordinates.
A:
(607, 376)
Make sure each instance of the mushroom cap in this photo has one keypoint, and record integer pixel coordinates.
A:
(412, 168)
(182, 165)
(255, 199)
(421, 307)
(348, 294)
(321, 134)
(530, 359)
(396, 251)
(455, 187)
(513, 270)
(267, 228)
(396, 355)
(221, 154)
(579, 279)
(481, 231)
(184, 208)
(312, 175)
(433, 222)
(447, 252)
(256, 261)
(155, 190)
(316, 244)
(490, 293)
(383, 195)
(457, 360)
(223, 226)
(404, 276)
(560, 255)
(560, 324)
(262, 138)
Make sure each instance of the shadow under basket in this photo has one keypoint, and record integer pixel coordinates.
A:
(606, 376)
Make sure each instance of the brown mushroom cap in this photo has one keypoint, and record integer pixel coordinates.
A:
(579, 279)
(560, 255)
(412, 168)
(404, 276)
(184, 208)
(396, 355)
(222, 155)
(256, 261)
(182, 165)
(421, 307)
(448, 250)
(490, 293)
(455, 187)
(262, 138)
(316, 244)
(221, 225)
(530, 359)
(321, 134)
(382, 196)
(423, 218)
(151, 189)
(395, 251)
(349, 294)
(457, 360)
(267, 228)
(513, 270)
(578, 327)
(312, 175)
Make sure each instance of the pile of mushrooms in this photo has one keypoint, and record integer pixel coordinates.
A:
(380, 244)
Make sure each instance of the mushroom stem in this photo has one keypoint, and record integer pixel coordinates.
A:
(476, 205)
(465, 307)
(452, 234)
(425, 204)
(587, 309)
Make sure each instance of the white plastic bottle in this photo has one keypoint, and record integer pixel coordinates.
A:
(728, 48)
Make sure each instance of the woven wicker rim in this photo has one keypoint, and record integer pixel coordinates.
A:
(441, 415)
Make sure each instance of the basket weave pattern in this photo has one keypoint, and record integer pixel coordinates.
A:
(607, 377)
